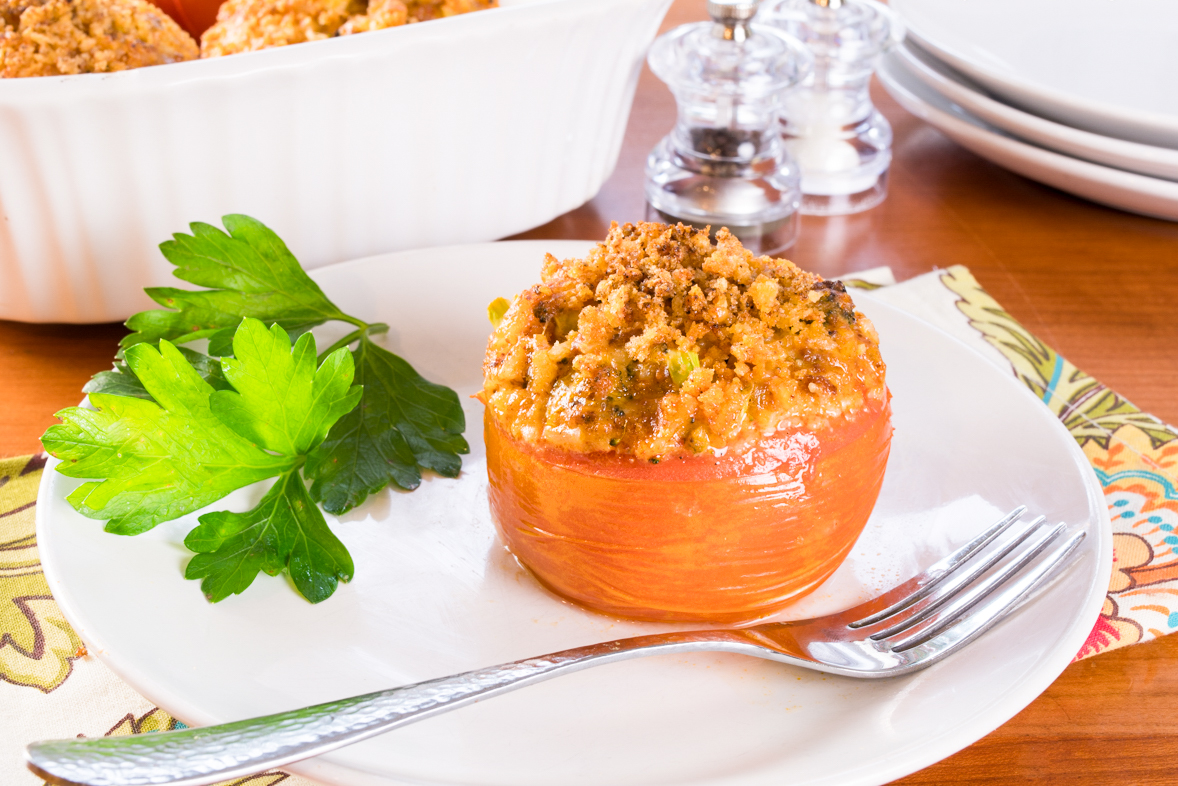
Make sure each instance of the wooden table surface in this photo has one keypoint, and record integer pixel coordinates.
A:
(1098, 285)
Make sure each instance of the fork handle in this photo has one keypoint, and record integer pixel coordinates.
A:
(199, 756)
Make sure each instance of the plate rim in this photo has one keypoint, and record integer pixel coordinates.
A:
(1064, 139)
(973, 133)
(994, 714)
(1099, 115)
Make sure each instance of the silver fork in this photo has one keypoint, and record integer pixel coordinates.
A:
(911, 627)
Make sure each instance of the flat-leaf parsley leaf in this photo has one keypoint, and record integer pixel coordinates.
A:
(190, 445)
(174, 429)
(249, 272)
(279, 400)
(121, 381)
(284, 530)
(404, 421)
(155, 461)
(403, 424)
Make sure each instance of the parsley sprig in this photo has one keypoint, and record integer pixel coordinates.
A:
(174, 430)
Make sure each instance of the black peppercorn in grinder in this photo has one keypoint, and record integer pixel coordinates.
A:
(724, 164)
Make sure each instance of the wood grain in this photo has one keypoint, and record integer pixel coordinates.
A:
(1099, 285)
(42, 370)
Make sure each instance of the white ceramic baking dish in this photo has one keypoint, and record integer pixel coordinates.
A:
(458, 130)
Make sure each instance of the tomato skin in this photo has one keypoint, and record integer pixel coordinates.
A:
(703, 538)
(195, 16)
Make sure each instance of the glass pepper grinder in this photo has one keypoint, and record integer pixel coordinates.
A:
(842, 144)
(724, 163)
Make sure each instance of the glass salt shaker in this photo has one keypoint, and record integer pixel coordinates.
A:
(724, 163)
(841, 142)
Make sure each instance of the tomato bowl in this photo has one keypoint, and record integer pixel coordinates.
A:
(709, 538)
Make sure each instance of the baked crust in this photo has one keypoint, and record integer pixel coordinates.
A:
(59, 37)
(660, 343)
(246, 25)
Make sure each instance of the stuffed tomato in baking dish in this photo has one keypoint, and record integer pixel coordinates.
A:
(678, 430)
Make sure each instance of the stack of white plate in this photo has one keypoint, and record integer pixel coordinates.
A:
(1079, 94)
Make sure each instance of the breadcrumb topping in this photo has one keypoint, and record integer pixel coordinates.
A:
(58, 37)
(661, 344)
(246, 25)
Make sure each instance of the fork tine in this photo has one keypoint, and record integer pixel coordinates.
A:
(976, 594)
(991, 613)
(926, 582)
(947, 589)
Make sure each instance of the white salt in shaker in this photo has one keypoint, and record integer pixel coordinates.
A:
(841, 142)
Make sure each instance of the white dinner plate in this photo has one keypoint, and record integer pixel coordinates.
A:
(1105, 66)
(1133, 156)
(1130, 191)
(436, 593)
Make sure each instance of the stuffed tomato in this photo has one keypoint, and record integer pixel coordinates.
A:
(678, 430)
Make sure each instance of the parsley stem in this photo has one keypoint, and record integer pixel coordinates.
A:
(365, 331)
(343, 342)
(371, 328)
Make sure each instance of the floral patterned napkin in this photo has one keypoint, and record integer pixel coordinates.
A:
(50, 687)
(1134, 454)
